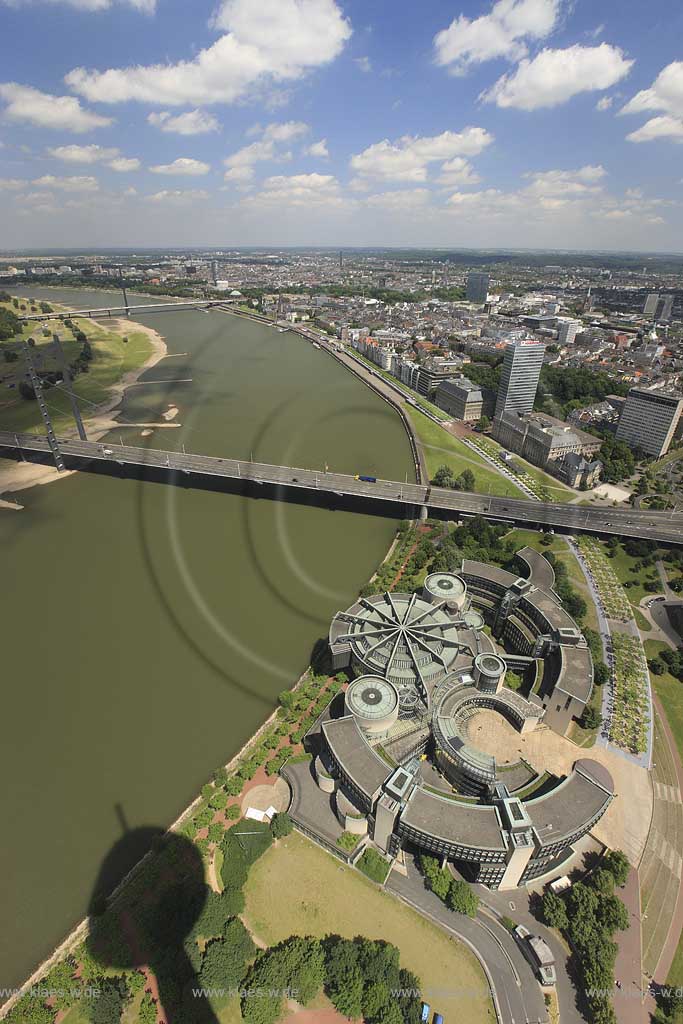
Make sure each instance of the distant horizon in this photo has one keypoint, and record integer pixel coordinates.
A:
(134, 249)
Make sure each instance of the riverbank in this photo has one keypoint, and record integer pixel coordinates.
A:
(19, 476)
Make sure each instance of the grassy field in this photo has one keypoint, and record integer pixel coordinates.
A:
(670, 692)
(297, 888)
(556, 490)
(624, 567)
(442, 449)
(112, 358)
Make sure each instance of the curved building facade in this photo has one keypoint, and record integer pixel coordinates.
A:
(401, 759)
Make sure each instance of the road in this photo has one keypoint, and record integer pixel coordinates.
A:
(518, 994)
(664, 527)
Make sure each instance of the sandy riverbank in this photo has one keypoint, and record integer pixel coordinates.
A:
(18, 476)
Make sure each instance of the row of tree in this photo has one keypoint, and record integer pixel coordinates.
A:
(445, 477)
(361, 977)
(455, 893)
(589, 915)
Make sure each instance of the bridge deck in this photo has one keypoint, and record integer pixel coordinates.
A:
(663, 526)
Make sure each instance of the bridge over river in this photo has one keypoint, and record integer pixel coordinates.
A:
(395, 497)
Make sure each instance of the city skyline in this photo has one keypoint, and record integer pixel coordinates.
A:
(522, 123)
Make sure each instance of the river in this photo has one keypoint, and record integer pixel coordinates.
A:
(147, 630)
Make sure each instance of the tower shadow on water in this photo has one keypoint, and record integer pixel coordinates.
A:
(149, 923)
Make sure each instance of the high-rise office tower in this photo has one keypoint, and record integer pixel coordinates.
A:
(567, 331)
(477, 288)
(650, 307)
(664, 308)
(519, 377)
(649, 419)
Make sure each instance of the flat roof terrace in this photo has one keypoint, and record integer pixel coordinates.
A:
(462, 824)
(364, 767)
(579, 798)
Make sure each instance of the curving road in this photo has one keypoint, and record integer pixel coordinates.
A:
(665, 527)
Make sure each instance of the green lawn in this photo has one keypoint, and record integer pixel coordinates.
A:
(556, 490)
(622, 565)
(112, 358)
(297, 888)
(442, 449)
(670, 692)
(533, 539)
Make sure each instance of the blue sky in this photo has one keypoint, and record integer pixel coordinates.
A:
(555, 123)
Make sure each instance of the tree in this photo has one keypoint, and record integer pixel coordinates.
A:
(554, 910)
(444, 477)
(483, 423)
(105, 1004)
(462, 899)
(603, 881)
(467, 480)
(600, 673)
(224, 960)
(591, 718)
(281, 825)
(618, 865)
(147, 1013)
(612, 914)
(343, 977)
(436, 878)
(375, 999)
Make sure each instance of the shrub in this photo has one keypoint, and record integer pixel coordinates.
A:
(373, 865)
(281, 825)
(218, 800)
(462, 899)
(216, 831)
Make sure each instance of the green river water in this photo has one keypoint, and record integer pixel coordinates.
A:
(147, 629)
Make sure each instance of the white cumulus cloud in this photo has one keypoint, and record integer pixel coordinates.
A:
(91, 154)
(662, 127)
(72, 184)
(265, 42)
(458, 171)
(125, 163)
(408, 159)
(298, 190)
(564, 183)
(318, 149)
(145, 6)
(555, 76)
(665, 95)
(503, 32)
(184, 165)
(605, 103)
(177, 195)
(240, 165)
(192, 122)
(24, 103)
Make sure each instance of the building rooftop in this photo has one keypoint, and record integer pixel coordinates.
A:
(541, 572)
(454, 821)
(581, 796)
(576, 673)
(488, 572)
(364, 767)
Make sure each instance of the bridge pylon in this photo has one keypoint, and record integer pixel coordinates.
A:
(44, 411)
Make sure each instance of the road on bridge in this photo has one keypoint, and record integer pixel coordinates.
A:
(665, 527)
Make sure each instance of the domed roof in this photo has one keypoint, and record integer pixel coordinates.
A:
(399, 637)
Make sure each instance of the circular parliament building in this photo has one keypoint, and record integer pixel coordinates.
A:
(417, 753)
